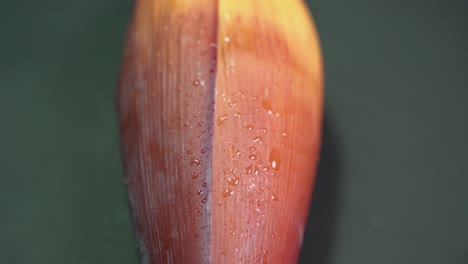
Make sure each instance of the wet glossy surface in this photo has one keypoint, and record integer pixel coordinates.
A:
(232, 82)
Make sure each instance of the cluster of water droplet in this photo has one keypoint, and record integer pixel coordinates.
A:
(249, 161)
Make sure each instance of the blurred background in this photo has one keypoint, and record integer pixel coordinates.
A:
(394, 169)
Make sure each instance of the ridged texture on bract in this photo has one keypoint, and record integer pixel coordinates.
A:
(220, 106)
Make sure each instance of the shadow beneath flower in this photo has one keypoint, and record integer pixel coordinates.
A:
(319, 237)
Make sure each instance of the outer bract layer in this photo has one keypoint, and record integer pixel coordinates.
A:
(220, 106)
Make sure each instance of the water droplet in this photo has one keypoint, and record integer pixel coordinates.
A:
(199, 192)
(194, 175)
(195, 161)
(203, 151)
(252, 149)
(267, 106)
(233, 104)
(227, 39)
(234, 181)
(249, 127)
(263, 130)
(259, 203)
(273, 164)
(248, 169)
(221, 119)
(189, 151)
(274, 198)
(186, 124)
(204, 183)
(227, 192)
(275, 160)
(284, 134)
(204, 200)
(252, 157)
(200, 124)
(257, 140)
(196, 82)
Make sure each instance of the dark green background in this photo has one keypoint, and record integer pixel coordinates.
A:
(394, 171)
